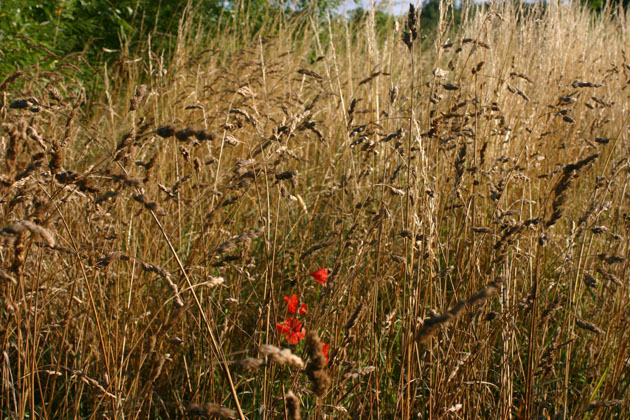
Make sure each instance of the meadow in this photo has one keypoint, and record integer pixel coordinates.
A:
(325, 219)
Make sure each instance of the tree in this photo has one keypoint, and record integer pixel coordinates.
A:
(599, 4)
(32, 31)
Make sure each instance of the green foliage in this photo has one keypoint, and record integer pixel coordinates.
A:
(34, 32)
(430, 17)
(383, 22)
(599, 4)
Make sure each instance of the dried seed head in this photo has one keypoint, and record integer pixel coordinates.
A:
(210, 410)
(440, 73)
(321, 381)
(542, 239)
(478, 67)
(137, 99)
(481, 229)
(286, 175)
(315, 370)
(285, 357)
(578, 84)
(179, 303)
(433, 324)
(215, 281)
(611, 259)
(35, 229)
(604, 403)
(353, 106)
(251, 363)
(10, 80)
(268, 349)
(231, 140)
(110, 257)
(588, 326)
(393, 94)
(165, 131)
(57, 158)
(609, 277)
(310, 73)
(66, 177)
(185, 134)
(7, 277)
(202, 135)
(353, 318)
(293, 406)
(148, 204)
(314, 350)
(410, 35)
(491, 315)
(54, 94)
(590, 281)
(281, 357)
(23, 103)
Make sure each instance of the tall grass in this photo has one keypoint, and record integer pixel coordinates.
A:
(471, 212)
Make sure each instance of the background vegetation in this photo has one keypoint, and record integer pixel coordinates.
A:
(460, 197)
(47, 33)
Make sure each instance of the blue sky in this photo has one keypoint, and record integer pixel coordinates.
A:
(393, 6)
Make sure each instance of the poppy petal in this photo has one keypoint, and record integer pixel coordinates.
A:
(297, 336)
(293, 330)
(325, 347)
(292, 303)
(320, 275)
(283, 329)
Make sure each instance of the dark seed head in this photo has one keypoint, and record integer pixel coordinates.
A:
(185, 134)
(20, 104)
(165, 131)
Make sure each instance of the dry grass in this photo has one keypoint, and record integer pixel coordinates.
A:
(473, 214)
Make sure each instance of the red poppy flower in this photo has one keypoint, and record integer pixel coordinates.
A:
(320, 275)
(293, 329)
(325, 347)
(292, 305)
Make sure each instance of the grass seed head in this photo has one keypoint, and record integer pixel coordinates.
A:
(293, 406)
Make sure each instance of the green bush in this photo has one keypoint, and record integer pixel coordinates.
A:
(34, 32)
